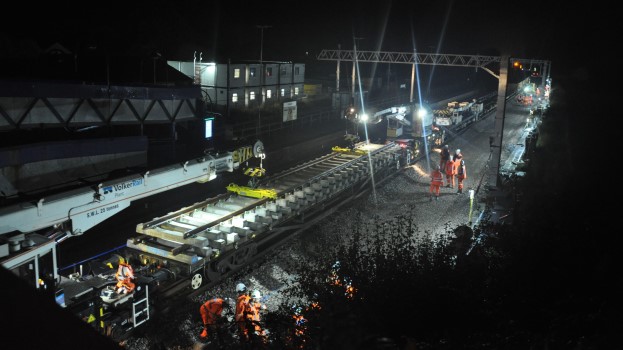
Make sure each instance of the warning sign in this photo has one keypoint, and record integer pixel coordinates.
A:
(289, 111)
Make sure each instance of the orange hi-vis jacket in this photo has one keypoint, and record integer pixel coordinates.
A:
(450, 169)
(241, 309)
(457, 158)
(436, 178)
(253, 315)
(124, 277)
(124, 271)
(211, 310)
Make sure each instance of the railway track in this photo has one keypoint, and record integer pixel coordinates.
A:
(217, 237)
(236, 230)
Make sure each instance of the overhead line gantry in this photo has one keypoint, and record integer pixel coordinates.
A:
(449, 60)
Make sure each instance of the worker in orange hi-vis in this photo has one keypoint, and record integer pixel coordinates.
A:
(457, 156)
(450, 172)
(124, 276)
(436, 182)
(211, 312)
(254, 306)
(461, 174)
(242, 308)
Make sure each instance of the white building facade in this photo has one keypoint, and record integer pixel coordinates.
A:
(246, 85)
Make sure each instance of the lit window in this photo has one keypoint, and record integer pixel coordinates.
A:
(252, 95)
(269, 93)
(236, 73)
(296, 90)
(251, 72)
(269, 71)
(283, 92)
(234, 97)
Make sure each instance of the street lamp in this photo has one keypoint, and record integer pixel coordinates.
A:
(262, 73)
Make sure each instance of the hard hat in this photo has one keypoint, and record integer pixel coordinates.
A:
(256, 294)
(240, 287)
(458, 150)
(445, 146)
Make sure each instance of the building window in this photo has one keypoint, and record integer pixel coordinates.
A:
(251, 72)
(284, 70)
(236, 73)
(269, 93)
(283, 92)
(269, 71)
(234, 97)
(252, 95)
(296, 70)
(296, 90)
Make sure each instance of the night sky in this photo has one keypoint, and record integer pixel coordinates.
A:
(224, 30)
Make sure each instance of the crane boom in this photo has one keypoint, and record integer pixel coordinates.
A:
(77, 211)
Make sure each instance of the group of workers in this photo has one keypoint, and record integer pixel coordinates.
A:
(246, 316)
(451, 166)
(124, 277)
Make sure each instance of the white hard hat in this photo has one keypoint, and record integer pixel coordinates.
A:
(458, 150)
(240, 287)
(256, 294)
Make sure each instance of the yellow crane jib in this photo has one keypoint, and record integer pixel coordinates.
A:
(356, 152)
(242, 154)
(255, 172)
(252, 192)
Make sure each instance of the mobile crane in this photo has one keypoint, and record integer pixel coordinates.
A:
(74, 212)
(112, 303)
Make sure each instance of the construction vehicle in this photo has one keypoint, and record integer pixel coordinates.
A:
(457, 112)
(458, 115)
(416, 127)
(31, 232)
(409, 124)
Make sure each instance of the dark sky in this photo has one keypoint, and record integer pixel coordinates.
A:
(229, 27)
(224, 30)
